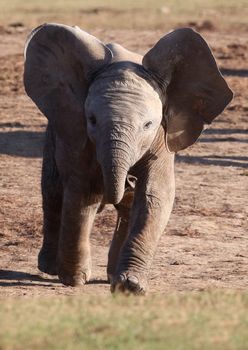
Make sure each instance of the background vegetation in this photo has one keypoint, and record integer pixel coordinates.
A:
(146, 14)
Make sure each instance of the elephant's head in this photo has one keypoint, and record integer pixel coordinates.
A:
(123, 113)
(119, 99)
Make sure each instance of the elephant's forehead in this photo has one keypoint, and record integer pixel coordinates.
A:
(123, 101)
(125, 90)
(124, 81)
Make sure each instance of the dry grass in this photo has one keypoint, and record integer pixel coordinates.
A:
(209, 320)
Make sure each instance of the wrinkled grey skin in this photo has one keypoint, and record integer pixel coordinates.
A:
(115, 120)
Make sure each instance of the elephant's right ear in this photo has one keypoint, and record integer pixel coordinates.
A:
(195, 91)
(59, 64)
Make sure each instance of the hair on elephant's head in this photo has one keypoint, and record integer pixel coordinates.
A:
(119, 99)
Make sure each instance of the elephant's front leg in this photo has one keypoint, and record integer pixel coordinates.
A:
(74, 258)
(120, 234)
(152, 206)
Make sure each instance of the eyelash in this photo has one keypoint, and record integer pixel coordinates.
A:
(147, 125)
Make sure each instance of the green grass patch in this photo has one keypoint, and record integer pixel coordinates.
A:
(207, 320)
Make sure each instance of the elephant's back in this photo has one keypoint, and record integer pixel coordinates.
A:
(122, 54)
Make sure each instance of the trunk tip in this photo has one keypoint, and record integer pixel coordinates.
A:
(113, 199)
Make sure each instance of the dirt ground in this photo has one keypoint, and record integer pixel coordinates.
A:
(206, 242)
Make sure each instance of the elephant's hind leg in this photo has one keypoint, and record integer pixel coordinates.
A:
(120, 234)
(52, 206)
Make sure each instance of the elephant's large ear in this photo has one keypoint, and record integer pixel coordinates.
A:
(59, 64)
(195, 91)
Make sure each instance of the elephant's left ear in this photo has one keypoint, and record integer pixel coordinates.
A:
(60, 63)
(195, 91)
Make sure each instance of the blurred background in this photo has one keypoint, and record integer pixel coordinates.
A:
(147, 14)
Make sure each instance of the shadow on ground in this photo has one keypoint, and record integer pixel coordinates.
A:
(243, 73)
(22, 143)
(30, 144)
(236, 161)
(9, 278)
(18, 278)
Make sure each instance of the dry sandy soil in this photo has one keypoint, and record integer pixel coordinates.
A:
(206, 242)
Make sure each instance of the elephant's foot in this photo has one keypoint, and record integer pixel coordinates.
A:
(129, 283)
(47, 261)
(110, 273)
(110, 277)
(74, 276)
(74, 279)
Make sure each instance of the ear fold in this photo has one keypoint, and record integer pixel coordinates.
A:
(195, 91)
(59, 63)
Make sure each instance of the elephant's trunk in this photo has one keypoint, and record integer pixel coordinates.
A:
(114, 185)
(115, 161)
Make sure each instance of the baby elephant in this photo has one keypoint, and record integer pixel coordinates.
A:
(115, 120)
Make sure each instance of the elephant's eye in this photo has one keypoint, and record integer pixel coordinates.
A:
(92, 120)
(147, 125)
